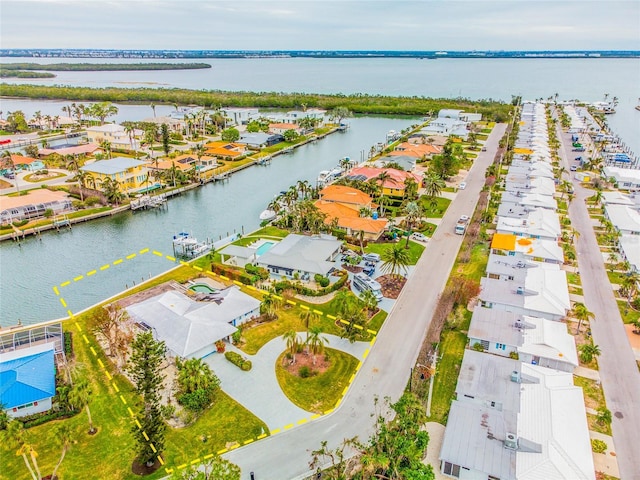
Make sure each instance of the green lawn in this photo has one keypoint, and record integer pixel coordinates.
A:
(596, 427)
(477, 264)
(593, 394)
(452, 350)
(377, 320)
(429, 229)
(111, 447)
(615, 277)
(573, 278)
(628, 314)
(436, 211)
(321, 392)
(415, 249)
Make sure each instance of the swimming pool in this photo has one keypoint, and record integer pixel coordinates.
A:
(264, 248)
(201, 288)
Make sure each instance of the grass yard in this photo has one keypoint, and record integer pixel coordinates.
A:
(226, 421)
(597, 427)
(377, 320)
(593, 394)
(415, 249)
(573, 278)
(628, 314)
(318, 393)
(477, 264)
(437, 211)
(616, 277)
(452, 350)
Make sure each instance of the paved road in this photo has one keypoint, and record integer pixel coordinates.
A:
(618, 370)
(386, 369)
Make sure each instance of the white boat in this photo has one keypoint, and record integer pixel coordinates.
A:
(267, 215)
(187, 246)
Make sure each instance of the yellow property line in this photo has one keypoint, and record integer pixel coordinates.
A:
(287, 427)
(129, 257)
(169, 257)
(331, 317)
(291, 302)
(318, 312)
(56, 291)
(92, 272)
(208, 456)
(247, 442)
(78, 278)
(300, 422)
(64, 304)
(143, 251)
(157, 254)
(104, 267)
(364, 355)
(117, 262)
(64, 284)
(193, 462)
(224, 450)
(304, 307)
(260, 437)
(197, 268)
(162, 462)
(275, 432)
(314, 416)
(153, 448)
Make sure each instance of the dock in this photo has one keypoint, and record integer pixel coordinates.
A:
(147, 201)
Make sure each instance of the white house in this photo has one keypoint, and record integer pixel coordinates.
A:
(540, 223)
(190, 328)
(544, 293)
(630, 250)
(446, 126)
(116, 135)
(302, 255)
(626, 219)
(509, 268)
(625, 178)
(28, 380)
(521, 248)
(240, 116)
(528, 185)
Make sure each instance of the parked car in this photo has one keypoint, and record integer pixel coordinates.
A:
(484, 149)
(369, 270)
(371, 257)
(9, 175)
(573, 168)
(419, 237)
(462, 185)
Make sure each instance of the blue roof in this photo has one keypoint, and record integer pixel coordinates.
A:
(112, 166)
(27, 379)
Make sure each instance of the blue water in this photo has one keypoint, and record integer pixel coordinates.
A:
(264, 248)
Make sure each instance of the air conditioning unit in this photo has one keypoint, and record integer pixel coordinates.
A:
(511, 441)
(515, 377)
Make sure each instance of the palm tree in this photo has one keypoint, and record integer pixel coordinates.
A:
(581, 312)
(412, 213)
(588, 351)
(382, 177)
(292, 340)
(603, 417)
(308, 317)
(15, 435)
(630, 284)
(433, 184)
(361, 240)
(79, 397)
(316, 341)
(111, 190)
(410, 188)
(343, 302)
(63, 435)
(395, 259)
(194, 375)
(269, 307)
(105, 145)
(369, 299)
(153, 107)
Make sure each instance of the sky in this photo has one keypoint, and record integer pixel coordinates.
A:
(321, 25)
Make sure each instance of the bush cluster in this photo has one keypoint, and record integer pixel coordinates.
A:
(68, 344)
(239, 361)
(321, 280)
(261, 273)
(302, 290)
(234, 274)
(40, 418)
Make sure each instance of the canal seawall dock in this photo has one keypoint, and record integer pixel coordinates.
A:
(19, 234)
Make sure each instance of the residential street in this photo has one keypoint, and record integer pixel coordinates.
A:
(618, 369)
(386, 370)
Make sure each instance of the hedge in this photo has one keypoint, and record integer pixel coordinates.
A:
(234, 274)
(302, 290)
(238, 360)
(39, 418)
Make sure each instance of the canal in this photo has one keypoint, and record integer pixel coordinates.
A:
(29, 270)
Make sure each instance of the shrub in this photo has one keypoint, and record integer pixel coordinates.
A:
(321, 280)
(304, 372)
(68, 344)
(48, 213)
(195, 401)
(233, 273)
(20, 223)
(90, 201)
(478, 347)
(261, 273)
(598, 446)
(238, 360)
(514, 355)
(40, 418)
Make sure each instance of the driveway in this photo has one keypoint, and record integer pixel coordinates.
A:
(618, 368)
(258, 389)
(386, 370)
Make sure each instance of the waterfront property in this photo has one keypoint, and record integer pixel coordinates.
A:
(27, 163)
(240, 116)
(173, 124)
(226, 150)
(394, 185)
(349, 219)
(303, 256)
(240, 256)
(28, 380)
(185, 163)
(509, 268)
(625, 178)
(416, 150)
(459, 115)
(281, 127)
(260, 140)
(190, 327)
(84, 149)
(624, 218)
(35, 204)
(446, 126)
(116, 135)
(130, 174)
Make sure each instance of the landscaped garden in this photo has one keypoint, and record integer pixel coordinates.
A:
(315, 387)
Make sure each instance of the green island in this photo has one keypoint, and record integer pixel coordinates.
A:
(24, 74)
(358, 104)
(95, 67)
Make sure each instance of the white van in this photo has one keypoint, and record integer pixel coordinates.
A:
(362, 282)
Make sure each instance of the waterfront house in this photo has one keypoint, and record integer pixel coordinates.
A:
(28, 380)
(130, 174)
(174, 125)
(349, 218)
(185, 163)
(33, 205)
(190, 327)
(542, 293)
(394, 185)
(417, 150)
(625, 178)
(240, 116)
(116, 135)
(405, 162)
(75, 150)
(226, 150)
(447, 127)
(630, 251)
(302, 256)
(519, 184)
(520, 248)
(260, 140)
(535, 340)
(539, 223)
(281, 128)
(347, 196)
(459, 115)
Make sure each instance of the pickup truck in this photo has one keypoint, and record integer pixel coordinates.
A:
(461, 225)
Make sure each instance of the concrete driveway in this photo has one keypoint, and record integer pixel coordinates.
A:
(258, 389)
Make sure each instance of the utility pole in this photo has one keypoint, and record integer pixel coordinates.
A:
(434, 361)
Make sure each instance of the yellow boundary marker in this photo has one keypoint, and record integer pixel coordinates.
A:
(250, 287)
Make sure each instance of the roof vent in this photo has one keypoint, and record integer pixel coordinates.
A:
(511, 441)
(515, 376)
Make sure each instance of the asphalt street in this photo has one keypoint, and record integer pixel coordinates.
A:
(386, 370)
(618, 369)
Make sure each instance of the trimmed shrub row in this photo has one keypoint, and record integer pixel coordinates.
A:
(302, 290)
(234, 274)
(239, 361)
(40, 418)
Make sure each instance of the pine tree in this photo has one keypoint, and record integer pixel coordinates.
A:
(144, 368)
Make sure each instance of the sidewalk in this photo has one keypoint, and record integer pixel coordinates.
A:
(605, 462)
(587, 373)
